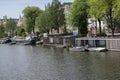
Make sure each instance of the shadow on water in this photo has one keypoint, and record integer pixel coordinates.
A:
(19, 62)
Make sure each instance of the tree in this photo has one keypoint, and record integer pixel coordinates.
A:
(2, 30)
(11, 27)
(97, 9)
(30, 14)
(55, 15)
(42, 22)
(107, 9)
(110, 14)
(79, 15)
(21, 32)
(117, 5)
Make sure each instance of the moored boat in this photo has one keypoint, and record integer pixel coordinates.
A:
(80, 49)
(6, 40)
(99, 49)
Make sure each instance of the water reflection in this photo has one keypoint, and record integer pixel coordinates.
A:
(19, 62)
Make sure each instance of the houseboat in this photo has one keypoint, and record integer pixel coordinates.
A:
(92, 44)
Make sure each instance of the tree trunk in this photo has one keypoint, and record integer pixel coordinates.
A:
(99, 26)
(113, 32)
(33, 30)
(79, 33)
(96, 25)
(113, 28)
(112, 21)
(51, 32)
(58, 30)
(65, 29)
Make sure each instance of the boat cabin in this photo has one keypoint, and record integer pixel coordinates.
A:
(60, 39)
(90, 42)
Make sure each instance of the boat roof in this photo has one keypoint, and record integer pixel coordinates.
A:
(98, 38)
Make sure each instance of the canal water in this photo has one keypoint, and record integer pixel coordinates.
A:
(19, 62)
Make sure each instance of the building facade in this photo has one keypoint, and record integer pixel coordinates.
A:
(67, 6)
(18, 21)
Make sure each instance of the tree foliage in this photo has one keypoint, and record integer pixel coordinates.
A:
(55, 14)
(97, 9)
(11, 27)
(107, 9)
(21, 32)
(2, 31)
(30, 15)
(79, 15)
(42, 22)
(110, 14)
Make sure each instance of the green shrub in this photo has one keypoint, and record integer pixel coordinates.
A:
(21, 32)
(102, 34)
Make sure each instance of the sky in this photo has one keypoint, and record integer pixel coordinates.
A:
(14, 8)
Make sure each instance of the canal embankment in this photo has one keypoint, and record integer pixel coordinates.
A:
(63, 41)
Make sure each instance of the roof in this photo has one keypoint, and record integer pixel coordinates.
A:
(99, 38)
(67, 3)
(60, 34)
